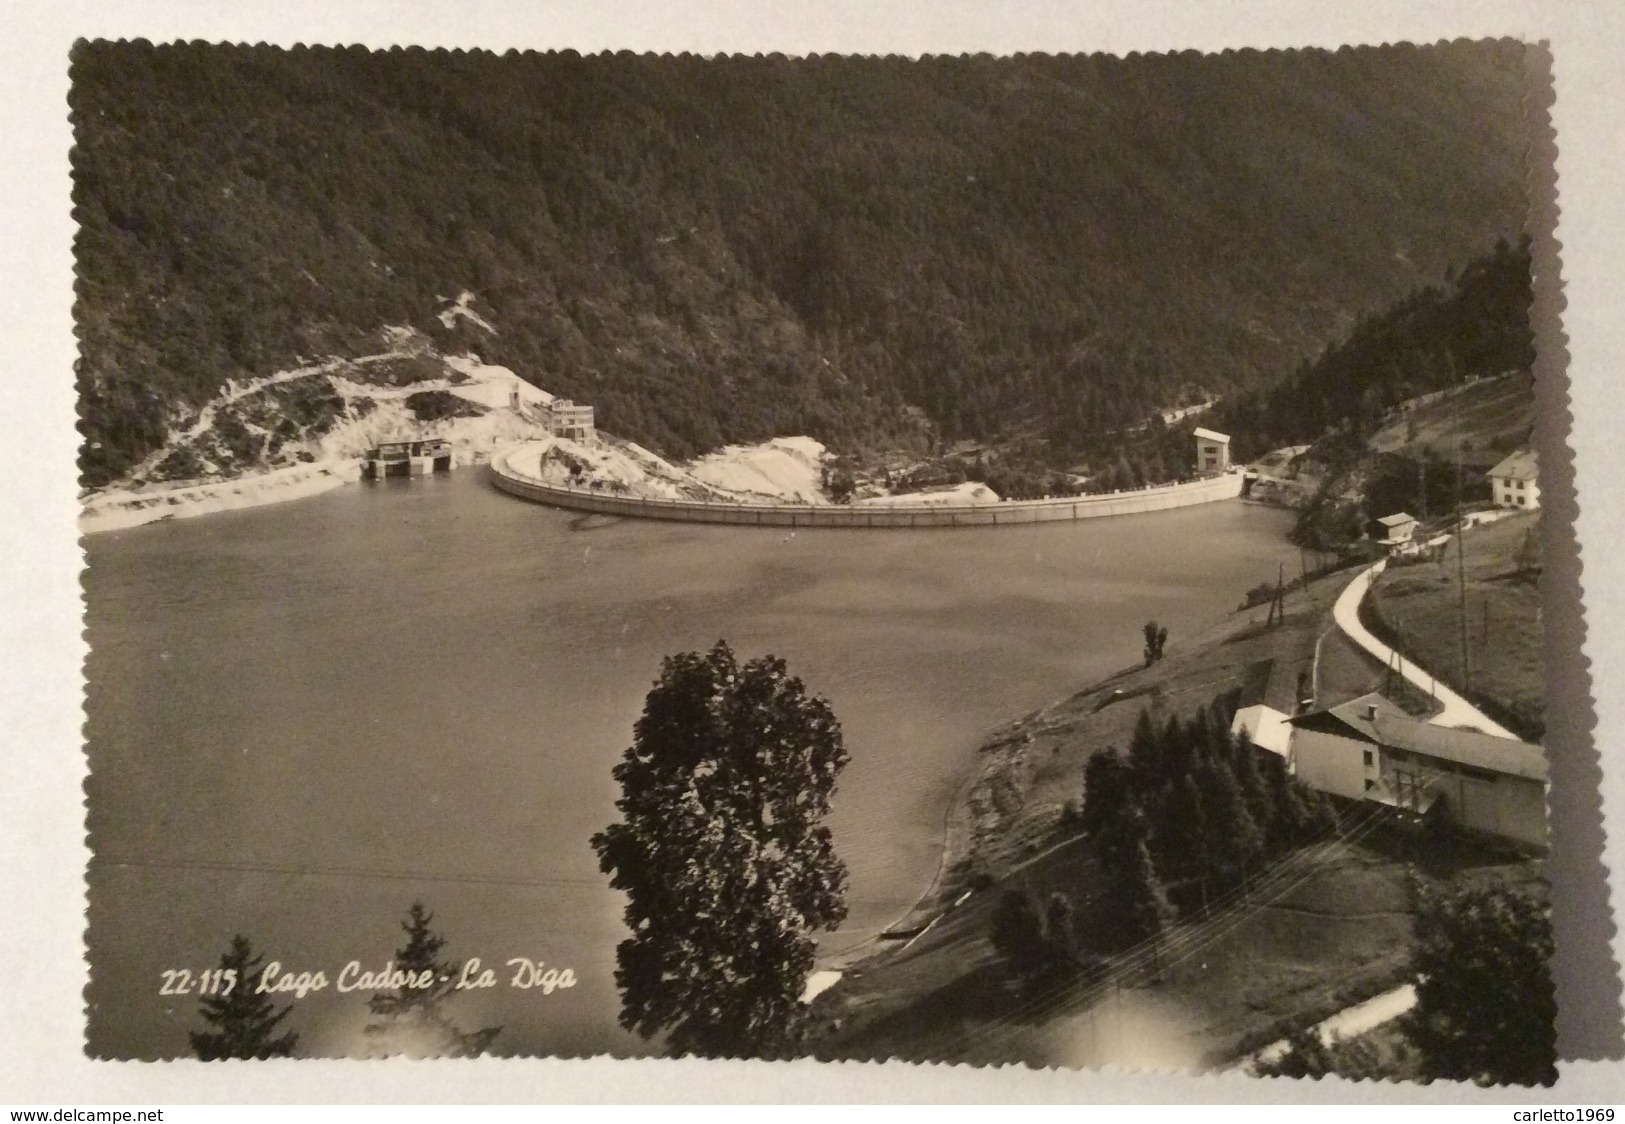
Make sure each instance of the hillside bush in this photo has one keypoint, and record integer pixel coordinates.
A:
(438, 405)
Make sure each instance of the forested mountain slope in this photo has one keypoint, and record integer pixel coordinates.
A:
(1408, 411)
(1474, 325)
(715, 250)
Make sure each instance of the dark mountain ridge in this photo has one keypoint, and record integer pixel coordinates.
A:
(878, 252)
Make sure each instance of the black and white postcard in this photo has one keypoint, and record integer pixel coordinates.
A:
(1020, 557)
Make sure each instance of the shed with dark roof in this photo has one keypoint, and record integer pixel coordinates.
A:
(1264, 702)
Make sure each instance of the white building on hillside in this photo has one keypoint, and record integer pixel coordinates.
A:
(566, 419)
(1368, 749)
(1212, 451)
(1514, 481)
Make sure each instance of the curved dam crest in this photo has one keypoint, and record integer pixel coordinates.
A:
(1005, 513)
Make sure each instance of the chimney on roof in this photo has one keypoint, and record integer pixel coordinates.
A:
(1370, 712)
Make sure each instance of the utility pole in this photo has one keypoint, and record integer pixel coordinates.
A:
(1461, 577)
(1277, 613)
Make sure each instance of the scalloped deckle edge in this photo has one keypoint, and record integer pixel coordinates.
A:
(1010, 956)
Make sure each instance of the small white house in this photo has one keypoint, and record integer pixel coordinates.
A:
(1212, 451)
(1397, 531)
(1514, 483)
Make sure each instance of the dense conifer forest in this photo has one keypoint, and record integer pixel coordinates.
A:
(1473, 325)
(882, 253)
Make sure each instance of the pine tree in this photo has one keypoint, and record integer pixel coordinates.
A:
(1182, 834)
(1290, 814)
(1254, 789)
(420, 954)
(1134, 897)
(243, 1021)
(1183, 747)
(1107, 786)
(412, 1020)
(1145, 752)
(1234, 841)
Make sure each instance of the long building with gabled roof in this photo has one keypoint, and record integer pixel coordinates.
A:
(1369, 749)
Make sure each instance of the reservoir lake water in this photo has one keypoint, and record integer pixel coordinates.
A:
(300, 718)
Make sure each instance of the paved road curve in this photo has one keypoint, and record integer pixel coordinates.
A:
(1351, 1022)
(1457, 710)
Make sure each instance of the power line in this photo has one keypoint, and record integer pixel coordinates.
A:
(1282, 880)
(1191, 939)
(385, 875)
(340, 872)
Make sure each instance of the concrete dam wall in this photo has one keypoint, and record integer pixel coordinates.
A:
(1008, 513)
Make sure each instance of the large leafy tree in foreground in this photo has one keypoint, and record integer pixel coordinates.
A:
(721, 851)
(1485, 1009)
